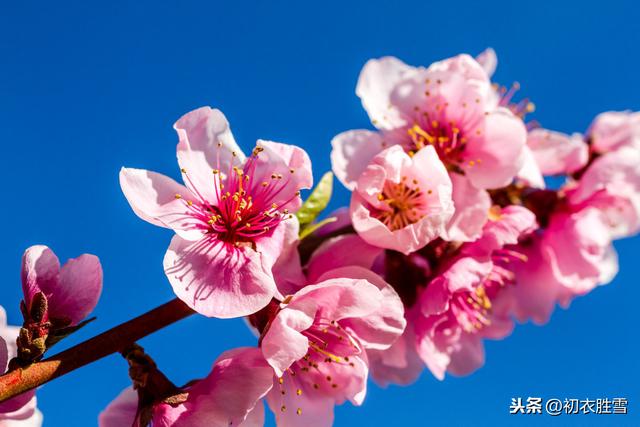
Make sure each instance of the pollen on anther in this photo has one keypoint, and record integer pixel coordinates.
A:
(298, 392)
(183, 170)
(283, 408)
(178, 196)
(299, 411)
(280, 380)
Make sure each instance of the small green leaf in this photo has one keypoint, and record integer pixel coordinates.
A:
(313, 227)
(317, 201)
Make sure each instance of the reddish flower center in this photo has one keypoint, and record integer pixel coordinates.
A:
(245, 207)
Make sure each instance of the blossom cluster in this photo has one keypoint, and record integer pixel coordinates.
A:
(452, 235)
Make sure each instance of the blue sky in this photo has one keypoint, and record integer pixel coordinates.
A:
(87, 87)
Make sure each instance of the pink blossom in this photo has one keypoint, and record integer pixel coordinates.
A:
(20, 411)
(231, 217)
(72, 291)
(613, 130)
(230, 395)
(612, 185)
(402, 202)
(398, 364)
(317, 343)
(450, 106)
(556, 153)
(466, 302)
(573, 256)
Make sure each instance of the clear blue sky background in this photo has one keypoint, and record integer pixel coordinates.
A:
(87, 88)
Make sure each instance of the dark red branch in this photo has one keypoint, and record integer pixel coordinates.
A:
(112, 341)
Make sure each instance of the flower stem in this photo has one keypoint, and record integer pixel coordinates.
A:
(114, 340)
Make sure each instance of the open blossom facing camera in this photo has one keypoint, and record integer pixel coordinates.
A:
(402, 202)
(230, 217)
(317, 342)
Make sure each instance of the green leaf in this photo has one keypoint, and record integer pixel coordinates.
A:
(309, 229)
(317, 201)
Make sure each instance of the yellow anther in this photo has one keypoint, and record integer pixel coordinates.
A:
(178, 196)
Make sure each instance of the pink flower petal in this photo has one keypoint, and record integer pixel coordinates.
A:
(379, 329)
(471, 210)
(468, 357)
(399, 364)
(283, 343)
(206, 143)
(530, 173)
(306, 409)
(294, 158)
(240, 378)
(557, 153)
(78, 289)
(488, 60)
(612, 185)
(152, 197)
(352, 152)
(613, 130)
(341, 251)
(121, 411)
(217, 279)
(40, 271)
(496, 161)
(287, 268)
(377, 80)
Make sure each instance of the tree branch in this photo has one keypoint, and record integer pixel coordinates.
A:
(112, 341)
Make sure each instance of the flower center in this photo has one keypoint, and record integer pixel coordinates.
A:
(245, 207)
(403, 204)
(445, 137)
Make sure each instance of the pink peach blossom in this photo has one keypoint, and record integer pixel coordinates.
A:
(402, 202)
(230, 395)
(20, 411)
(466, 303)
(450, 106)
(612, 185)
(613, 130)
(398, 364)
(72, 291)
(557, 153)
(317, 344)
(231, 217)
(573, 255)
